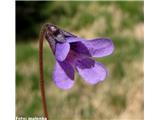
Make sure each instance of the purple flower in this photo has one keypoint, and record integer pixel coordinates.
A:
(73, 53)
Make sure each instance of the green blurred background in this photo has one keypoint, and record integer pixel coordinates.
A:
(119, 97)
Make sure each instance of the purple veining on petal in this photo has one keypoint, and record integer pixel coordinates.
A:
(75, 58)
(68, 68)
(84, 63)
(80, 48)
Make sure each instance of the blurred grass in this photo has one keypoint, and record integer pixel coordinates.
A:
(119, 97)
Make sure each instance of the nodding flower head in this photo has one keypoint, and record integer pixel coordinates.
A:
(73, 53)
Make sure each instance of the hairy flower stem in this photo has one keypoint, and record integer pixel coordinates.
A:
(42, 87)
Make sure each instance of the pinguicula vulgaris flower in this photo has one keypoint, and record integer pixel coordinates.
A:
(73, 53)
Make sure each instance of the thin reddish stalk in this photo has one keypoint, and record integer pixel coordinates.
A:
(42, 87)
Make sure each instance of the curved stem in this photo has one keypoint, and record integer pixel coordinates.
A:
(42, 87)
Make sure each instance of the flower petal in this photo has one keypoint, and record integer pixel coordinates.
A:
(99, 47)
(93, 74)
(80, 48)
(84, 62)
(62, 50)
(63, 75)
